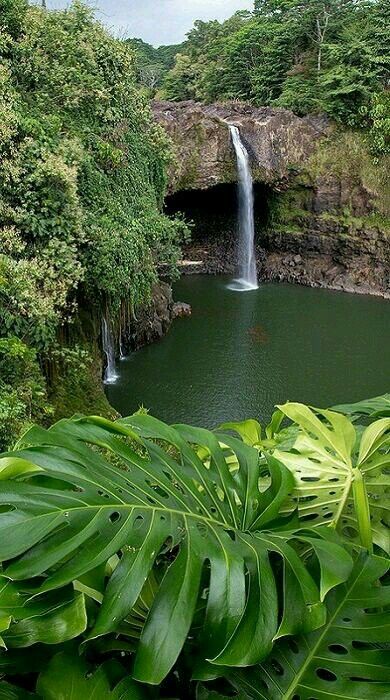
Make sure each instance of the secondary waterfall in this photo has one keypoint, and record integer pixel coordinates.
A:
(247, 273)
(110, 375)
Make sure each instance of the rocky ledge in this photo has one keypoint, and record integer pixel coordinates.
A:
(327, 199)
(312, 269)
(153, 320)
(276, 139)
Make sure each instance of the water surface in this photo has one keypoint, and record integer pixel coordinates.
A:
(239, 354)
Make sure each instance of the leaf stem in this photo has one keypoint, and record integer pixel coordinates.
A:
(362, 509)
(347, 490)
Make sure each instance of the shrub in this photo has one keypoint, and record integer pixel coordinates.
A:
(184, 562)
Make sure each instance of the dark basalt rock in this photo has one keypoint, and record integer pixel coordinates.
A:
(327, 220)
(277, 140)
(153, 320)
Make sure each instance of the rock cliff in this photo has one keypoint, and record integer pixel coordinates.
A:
(328, 200)
(276, 139)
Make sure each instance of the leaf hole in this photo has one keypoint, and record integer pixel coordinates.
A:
(138, 522)
(349, 531)
(8, 508)
(114, 517)
(161, 492)
(337, 649)
(231, 534)
(293, 646)
(364, 646)
(310, 516)
(326, 675)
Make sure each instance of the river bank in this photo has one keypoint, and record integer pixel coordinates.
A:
(355, 275)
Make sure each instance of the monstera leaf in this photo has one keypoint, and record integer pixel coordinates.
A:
(152, 495)
(69, 677)
(344, 659)
(377, 407)
(341, 474)
(50, 619)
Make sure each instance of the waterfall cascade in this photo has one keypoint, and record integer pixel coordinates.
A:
(247, 273)
(110, 375)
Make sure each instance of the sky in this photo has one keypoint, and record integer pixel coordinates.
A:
(159, 21)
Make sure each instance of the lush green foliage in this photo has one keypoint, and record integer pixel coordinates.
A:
(179, 557)
(22, 389)
(82, 177)
(306, 55)
(153, 63)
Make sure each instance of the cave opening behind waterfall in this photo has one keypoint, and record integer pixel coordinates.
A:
(213, 212)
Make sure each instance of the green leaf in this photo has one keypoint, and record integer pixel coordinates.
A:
(337, 434)
(204, 693)
(274, 425)
(325, 463)
(98, 496)
(343, 659)
(373, 438)
(11, 467)
(248, 430)
(20, 662)
(69, 677)
(52, 618)
(5, 622)
(11, 692)
(374, 408)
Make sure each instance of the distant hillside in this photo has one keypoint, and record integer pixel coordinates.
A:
(154, 63)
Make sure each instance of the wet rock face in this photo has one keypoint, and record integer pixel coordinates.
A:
(153, 320)
(332, 194)
(277, 140)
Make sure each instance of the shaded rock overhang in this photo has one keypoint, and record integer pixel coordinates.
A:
(278, 142)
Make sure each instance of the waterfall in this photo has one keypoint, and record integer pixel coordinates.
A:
(247, 273)
(110, 375)
(122, 354)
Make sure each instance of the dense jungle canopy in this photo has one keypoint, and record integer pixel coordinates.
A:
(82, 182)
(306, 55)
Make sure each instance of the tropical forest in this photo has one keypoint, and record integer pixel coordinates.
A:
(195, 350)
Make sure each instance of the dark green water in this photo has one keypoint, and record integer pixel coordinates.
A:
(239, 354)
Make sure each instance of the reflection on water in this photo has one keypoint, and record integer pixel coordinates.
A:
(258, 334)
(240, 354)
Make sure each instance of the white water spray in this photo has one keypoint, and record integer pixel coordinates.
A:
(110, 375)
(122, 354)
(247, 273)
